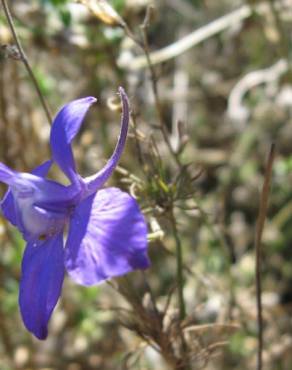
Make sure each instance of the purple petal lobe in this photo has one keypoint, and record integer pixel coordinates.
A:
(95, 182)
(8, 207)
(8, 204)
(41, 206)
(107, 238)
(43, 169)
(6, 174)
(41, 283)
(37, 206)
(65, 127)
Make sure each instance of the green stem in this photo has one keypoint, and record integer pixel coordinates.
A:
(179, 269)
(25, 60)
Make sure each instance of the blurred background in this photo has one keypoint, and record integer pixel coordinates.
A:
(209, 84)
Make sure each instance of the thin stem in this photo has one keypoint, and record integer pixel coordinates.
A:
(144, 45)
(137, 142)
(183, 362)
(25, 60)
(153, 79)
(258, 238)
(179, 269)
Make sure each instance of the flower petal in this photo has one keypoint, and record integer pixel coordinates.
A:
(43, 169)
(65, 127)
(8, 204)
(41, 206)
(41, 283)
(6, 174)
(96, 181)
(8, 208)
(107, 237)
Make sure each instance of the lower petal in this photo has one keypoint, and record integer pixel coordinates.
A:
(41, 283)
(107, 238)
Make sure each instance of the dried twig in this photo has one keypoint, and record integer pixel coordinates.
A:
(258, 237)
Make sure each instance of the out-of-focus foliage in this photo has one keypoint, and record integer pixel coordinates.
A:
(232, 95)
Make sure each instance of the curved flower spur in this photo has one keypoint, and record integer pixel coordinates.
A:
(107, 233)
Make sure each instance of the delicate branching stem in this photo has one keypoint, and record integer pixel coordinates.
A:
(137, 142)
(144, 45)
(258, 237)
(180, 287)
(179, 269)
(25, 60)
(153, 79)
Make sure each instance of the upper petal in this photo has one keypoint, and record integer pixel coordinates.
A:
(41, 283)
(65, 127)
(96, 181)
(107, 237)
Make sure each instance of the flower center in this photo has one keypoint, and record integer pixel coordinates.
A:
(38, 223)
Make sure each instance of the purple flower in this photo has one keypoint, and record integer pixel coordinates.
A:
(106, 230)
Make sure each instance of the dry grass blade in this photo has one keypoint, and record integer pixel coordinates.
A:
(219, 328)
